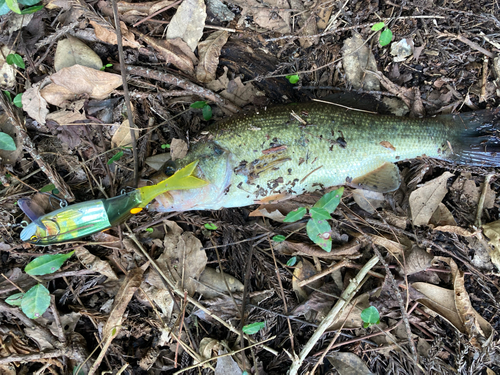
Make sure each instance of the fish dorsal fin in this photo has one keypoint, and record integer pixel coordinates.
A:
(384, 179)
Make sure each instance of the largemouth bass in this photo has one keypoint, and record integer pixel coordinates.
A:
(298, 148)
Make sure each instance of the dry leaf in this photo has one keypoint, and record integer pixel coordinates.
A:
(188, 22)
(10, 157)
(73, 51)
(357, 59)
(454, 229)
(93, 263)
(7, 72)
(234, 90)
(157, 161)
(66, 117)
(425, 200)
(122, 137)
(212, 283)
(178, 149)
(184, 256)
(82, 80)
(442, 216)
(209, 51)
(416, 260)
(34, 104)
(109, 35)
(347, 363)
(154, 289)
(492, 231)
(57, 95)
(175, 51)
(267, 211)
(303, 271)
(125, 293)
(368, 200)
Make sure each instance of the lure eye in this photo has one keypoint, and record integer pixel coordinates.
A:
(34, 238)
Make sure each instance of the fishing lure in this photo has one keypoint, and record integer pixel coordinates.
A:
(82, 219)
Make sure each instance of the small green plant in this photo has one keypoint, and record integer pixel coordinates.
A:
(165, 145)
(210, 226)
(318, 228)
(293, 79)
(150, 230)
(385, 36)
(115, 157)
(36, 300)
(206, 110)
(7, 143)
(279, 238)
(15, 59)
(15, 5)
(17, 101)
(106, 66)
(291, 262)
(253, 328)
(370, 316)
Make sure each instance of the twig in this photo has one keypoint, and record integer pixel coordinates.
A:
(186, 85)
(333, 315)
(470, 43)
(480, 204)
(156, 13)
(327, 271)
(125, 92)
(482, 97)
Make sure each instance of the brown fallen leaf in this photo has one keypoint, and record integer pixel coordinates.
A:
(388, 145)
(178, 149)
(76, 114)
(368, 200)
(235, 90)
(93, 263)
(425, 200)
(304, 270)
(125, 293)
(108, 35)
(122, 137)
(188, 22)
(492, 231)
(348, 363)
(72, 51)
(357, 59)
(34, 104)
(83, 80)
(183, 258)
(58, 95)
(442, 216)
(212, 283)
(209, 51)
(175, 51)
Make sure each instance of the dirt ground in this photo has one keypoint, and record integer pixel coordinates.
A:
(400, 292)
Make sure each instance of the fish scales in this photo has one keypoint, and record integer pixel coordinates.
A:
(300, 148)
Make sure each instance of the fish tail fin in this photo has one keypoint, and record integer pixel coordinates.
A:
(478, 142)
(183, 179)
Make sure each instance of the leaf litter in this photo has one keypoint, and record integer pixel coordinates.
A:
(444, 262)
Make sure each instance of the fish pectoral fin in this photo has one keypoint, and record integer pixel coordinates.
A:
(384, 179)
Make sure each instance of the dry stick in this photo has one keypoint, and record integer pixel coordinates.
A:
(327, 271)
(156, 13)
(186, 85)
(30, 147)
(480, 204)
(180, 293)
(470, 43)
(333, 315)
(482, 98)
(125, 92)
(404, 313)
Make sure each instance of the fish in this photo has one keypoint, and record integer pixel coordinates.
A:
(293, 149)
(85, 218)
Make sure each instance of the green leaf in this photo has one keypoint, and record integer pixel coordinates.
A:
(319, 232)
(46, 264)
(15, 299)
(385, 37)
(378, 26)
(293, 79)
(165, 145)
(207, 112)
(15, 59)
(36, 301)
(295, 215)
(330, 200)
(279, 238)
(13, 6)
(18, 100)
(253, 328)
(370, 316)
(47, 188)
(115, 157)
(319, 213)
(8, 95)
(32, 9)
(28, 2)
(210, 226)
(150, 230)
(199, 105)
(7, 142)
(291, 262)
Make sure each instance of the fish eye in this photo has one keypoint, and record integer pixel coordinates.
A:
(34, 238)
(169, 168)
